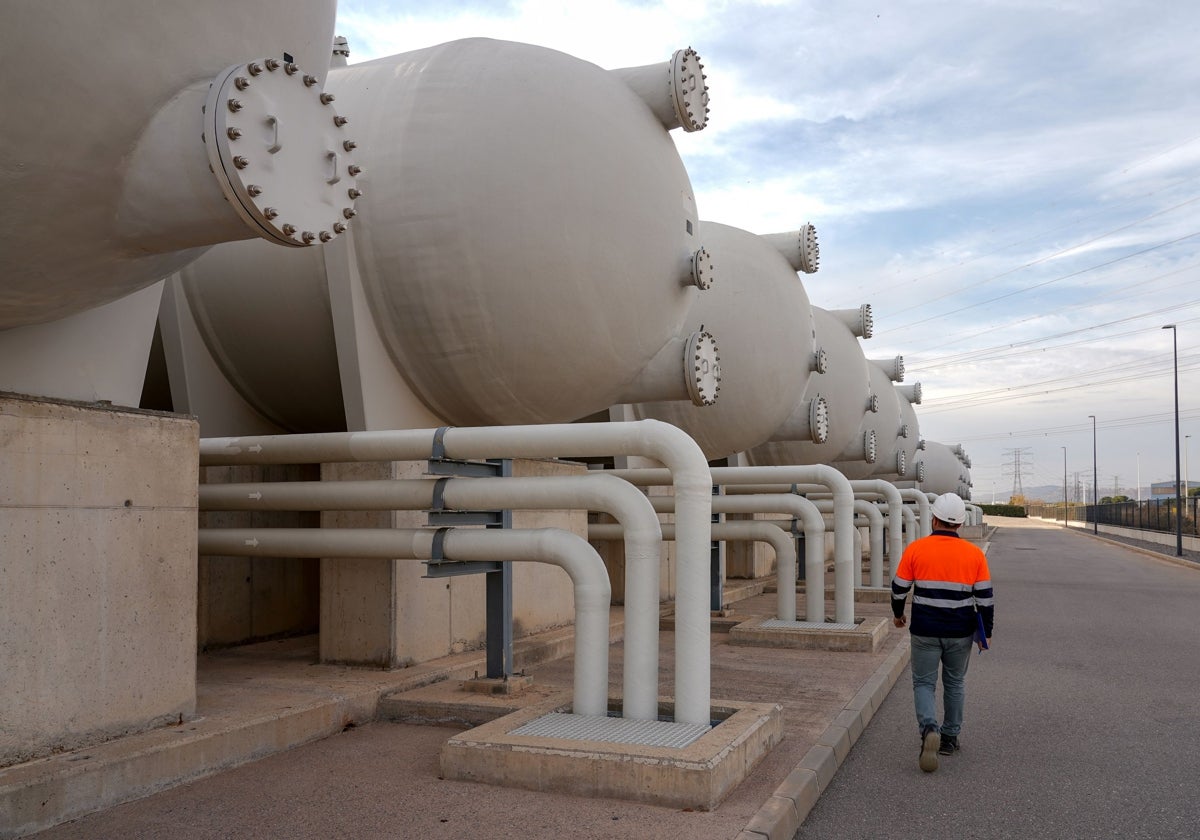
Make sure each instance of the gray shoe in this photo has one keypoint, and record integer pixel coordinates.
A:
(930, 741)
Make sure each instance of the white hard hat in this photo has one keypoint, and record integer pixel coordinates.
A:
(950, 508)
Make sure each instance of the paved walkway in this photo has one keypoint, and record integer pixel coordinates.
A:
(381, 779)
(1083, 721)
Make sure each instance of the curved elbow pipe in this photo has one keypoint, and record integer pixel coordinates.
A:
(836, 483)
(895, 526)
(797, 507)
(545, 545)
(874, 521)
(597, 492)
(925, 518)
(687, 471)
(910, 528)
(780, 541)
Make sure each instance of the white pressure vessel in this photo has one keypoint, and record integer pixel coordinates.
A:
(760, 313)
(874, 449)
(526, 242)
(105, 186)
(944, 471)
(836, 397)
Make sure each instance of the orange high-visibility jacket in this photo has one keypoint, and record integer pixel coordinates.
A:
(950, 580)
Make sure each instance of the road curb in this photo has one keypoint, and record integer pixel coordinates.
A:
(780, 817)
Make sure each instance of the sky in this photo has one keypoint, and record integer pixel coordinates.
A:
(1013, 186)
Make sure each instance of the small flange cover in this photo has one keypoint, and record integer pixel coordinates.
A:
(866, 320)
(702, 269)
(818, 419)
(904, 430)
(810, 251)
(920, 470)
(901, 463)
(873, 403)
(821, 361)
(280, 152)
(702, 364)
(870, 450)
(689, 90)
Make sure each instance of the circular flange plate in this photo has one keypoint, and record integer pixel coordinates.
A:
(866, 320)
(703, 366)
(920, 470)
(873, 404)
(810, 251)
(818, 419)
(702, 269)
(821, 363)
(280, 152)
(869, 447)
(689, 90)
(901, 463)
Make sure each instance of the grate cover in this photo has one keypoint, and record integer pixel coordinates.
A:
(613, 730)
(780, 624)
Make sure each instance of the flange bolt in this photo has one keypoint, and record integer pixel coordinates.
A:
(240, 162)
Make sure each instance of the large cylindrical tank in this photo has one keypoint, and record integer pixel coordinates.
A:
(526, 242)
(909, 446)
(842, 389)
(944, 471)
(760, 313)
(101, 181)
(876, 448)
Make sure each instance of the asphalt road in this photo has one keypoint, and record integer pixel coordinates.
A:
(1082, 722)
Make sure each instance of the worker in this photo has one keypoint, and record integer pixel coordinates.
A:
(952, 608)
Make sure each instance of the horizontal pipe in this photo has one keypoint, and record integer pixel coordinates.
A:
(554, 546)
(686, 466)
(834, 481)
(594, 491)
(780, 540)
(814, 545)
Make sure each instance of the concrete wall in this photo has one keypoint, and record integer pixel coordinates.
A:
(244, 599)
(387, 614)
(97, 573)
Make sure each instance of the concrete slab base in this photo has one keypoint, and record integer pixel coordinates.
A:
(498, 685)
(867, 635)
(698, 776)
(448, 704)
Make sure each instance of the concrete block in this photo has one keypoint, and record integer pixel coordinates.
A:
(98, 563)
(823, 762)
(775, 818)
(837, 737)
(866, 637)
(851, 721)
(803, 788)
(697, 776)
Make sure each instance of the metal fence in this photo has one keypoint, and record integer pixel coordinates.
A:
(1149, 515)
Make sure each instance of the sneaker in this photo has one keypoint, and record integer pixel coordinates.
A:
(949, 745)
(929, 748)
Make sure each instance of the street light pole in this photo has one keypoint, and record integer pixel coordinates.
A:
(1095, 481)
(1178, 495)
(1064, 449)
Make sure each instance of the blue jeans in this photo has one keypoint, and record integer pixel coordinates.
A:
(953, 655)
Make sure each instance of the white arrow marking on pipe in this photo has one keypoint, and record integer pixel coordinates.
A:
(256, 496)
(252, 543)
(256, 448)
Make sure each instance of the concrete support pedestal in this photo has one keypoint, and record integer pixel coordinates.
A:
(98, 571)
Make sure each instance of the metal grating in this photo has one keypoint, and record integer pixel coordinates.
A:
(613, 730)
(780, 624)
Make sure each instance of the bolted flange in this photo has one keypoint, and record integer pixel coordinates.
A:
(810, 252)
(702, 367)
(818, 419)
(287, 148)
(689, 90)
(873, 403)
(821, 361)
(901, 463)
(870, 450)
(702, 269)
